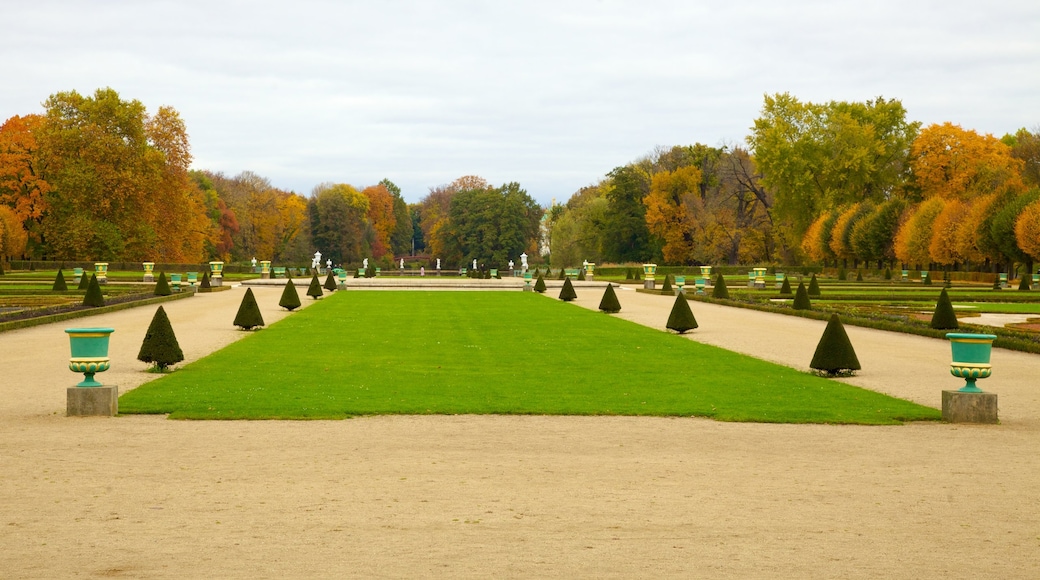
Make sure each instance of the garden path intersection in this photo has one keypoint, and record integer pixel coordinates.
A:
(516, 496)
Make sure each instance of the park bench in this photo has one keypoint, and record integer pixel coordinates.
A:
(906, 275)
(1003, 280)
(571, 272)
(779, 279)
(278, 272)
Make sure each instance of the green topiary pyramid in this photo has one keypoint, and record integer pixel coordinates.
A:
(205, 285)
(1023, 284)
(290, 297)
(944, 317)
(567, 293)
(842, 276)
(834, 354)
(814, 286)
(330, 282)
(927, 279)
(681, 319)
(720, 290)
(84, 282)
(539, 285)
(314, 290)
(160, 345)
(59, 283)
(785, 288)
(581, 274)
(609, 303)
(162, 287)
(888, 274)
(628, 273)
(93, 297)
(996, 284)
(801, 298)
(563, 274)
(859, 275)
(249, 316)
(638, 275)
(666, 288)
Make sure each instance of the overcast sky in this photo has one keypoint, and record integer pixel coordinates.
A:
(550, 94)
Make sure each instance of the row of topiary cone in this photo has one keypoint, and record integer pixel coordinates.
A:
(834, 353)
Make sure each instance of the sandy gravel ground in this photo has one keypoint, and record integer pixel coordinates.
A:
(476, 496)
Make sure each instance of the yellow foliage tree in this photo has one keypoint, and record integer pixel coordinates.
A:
(382, 219)
(944, 248)
(812, 243)
(947, 161)
(968, 232)
(1027, 230)
(12, 235)
(915, 235)
(670, 208)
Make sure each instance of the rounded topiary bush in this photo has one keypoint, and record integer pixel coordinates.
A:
(609, 303)
(330, 282)
(814, 286)
(567, 293)
(801, 298)
(785, 288)
(160, 346)
(162, 287)
(290, 299)
(59, 283)
(681, 319)
(539, 285)
(834, 354)
(93, 297)
(314, 290)
(720, 290)
(249, 316)
(944, 318)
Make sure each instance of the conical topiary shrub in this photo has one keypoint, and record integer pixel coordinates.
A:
(842, 276)
(859, 275)
(539, 285)
(84, 282)
(162, 287)
(927, 279)
(888, 274)
(330, 282)
(609, 303)
(314, 290)
(290, 297)
(944, 317)
(834, 354)
(681, 319)
(628, 273)
(814, 286)
(666, 288)
(1023, 283)
(996, 284)
(249, 316)
(59, 283)
(581, 274)
(93, 297)
(720, 290)
(785, 288)
(563, 274)
(205, 284)
(567, 293)
(801, 298)
(160, 345)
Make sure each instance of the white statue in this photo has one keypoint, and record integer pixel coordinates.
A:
(438, 263)
(328, 263)
(402, 263)
(254, 261)
(364, 263)
(510, 264)
(523, 261)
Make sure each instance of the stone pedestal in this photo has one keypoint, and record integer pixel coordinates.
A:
(528, 288)
(92, 401)
(149, 278)
(648, 284)
(960, 407)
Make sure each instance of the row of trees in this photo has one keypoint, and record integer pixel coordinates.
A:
(99, 178)
(820, 183)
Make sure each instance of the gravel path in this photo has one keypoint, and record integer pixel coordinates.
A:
(489, 496)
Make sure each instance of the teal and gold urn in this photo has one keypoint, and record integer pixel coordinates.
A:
(89, 352)
(971, 353)
(649, 270)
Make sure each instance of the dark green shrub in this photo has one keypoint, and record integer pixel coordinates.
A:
(888, 274)
(581, 274)
(814, 286)
(720, 290)
(1, 267)
(638, 275)
(1023, 284)
(249, 316)
(539, 285)
(314, 290)
(205, 284)
(666, 288)
(357, 273)
(859, 275)
(162, 287)
(681, 319)
(928, 279)
(834, 354)
(609, 303)
(330, 282)
(93, 297)
(59, 283)
(801, 298)
(563, 274)
(996, 284)
(160, 346)
(84, 282)
(842, 276)
(785, 288)
(628, 273)
(944, 317)
(290, 299)
(567, 293)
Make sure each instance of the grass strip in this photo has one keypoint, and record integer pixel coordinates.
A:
(362, 353)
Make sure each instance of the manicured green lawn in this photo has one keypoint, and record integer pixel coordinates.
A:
(359, 352)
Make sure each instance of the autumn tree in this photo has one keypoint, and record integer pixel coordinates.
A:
(1003, 227)
(381, 220)
(874, 235)
(952, 163)
(674, 196)
(434, 210)
(22, 188)
(401, 237)
(338, 218)
(943, 247)
(915, 234)
(1027, 230)
(1025, 146)
(13, 236)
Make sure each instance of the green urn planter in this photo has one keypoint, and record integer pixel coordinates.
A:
(527, 282)
(590, 270)
(78, 273)
(175, 282)
(89, 352)
(193, 279)
(760, 277)
(680, 281)
(149, 269)
(971, 353)
(101, 270)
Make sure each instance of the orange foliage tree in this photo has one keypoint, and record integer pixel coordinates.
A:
(22, 189)
(382, 220)
(915, 235)
(949, 162)
(435, 210)
(671, 205)
(12, 234)
(943, 248)
(1027, 230)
